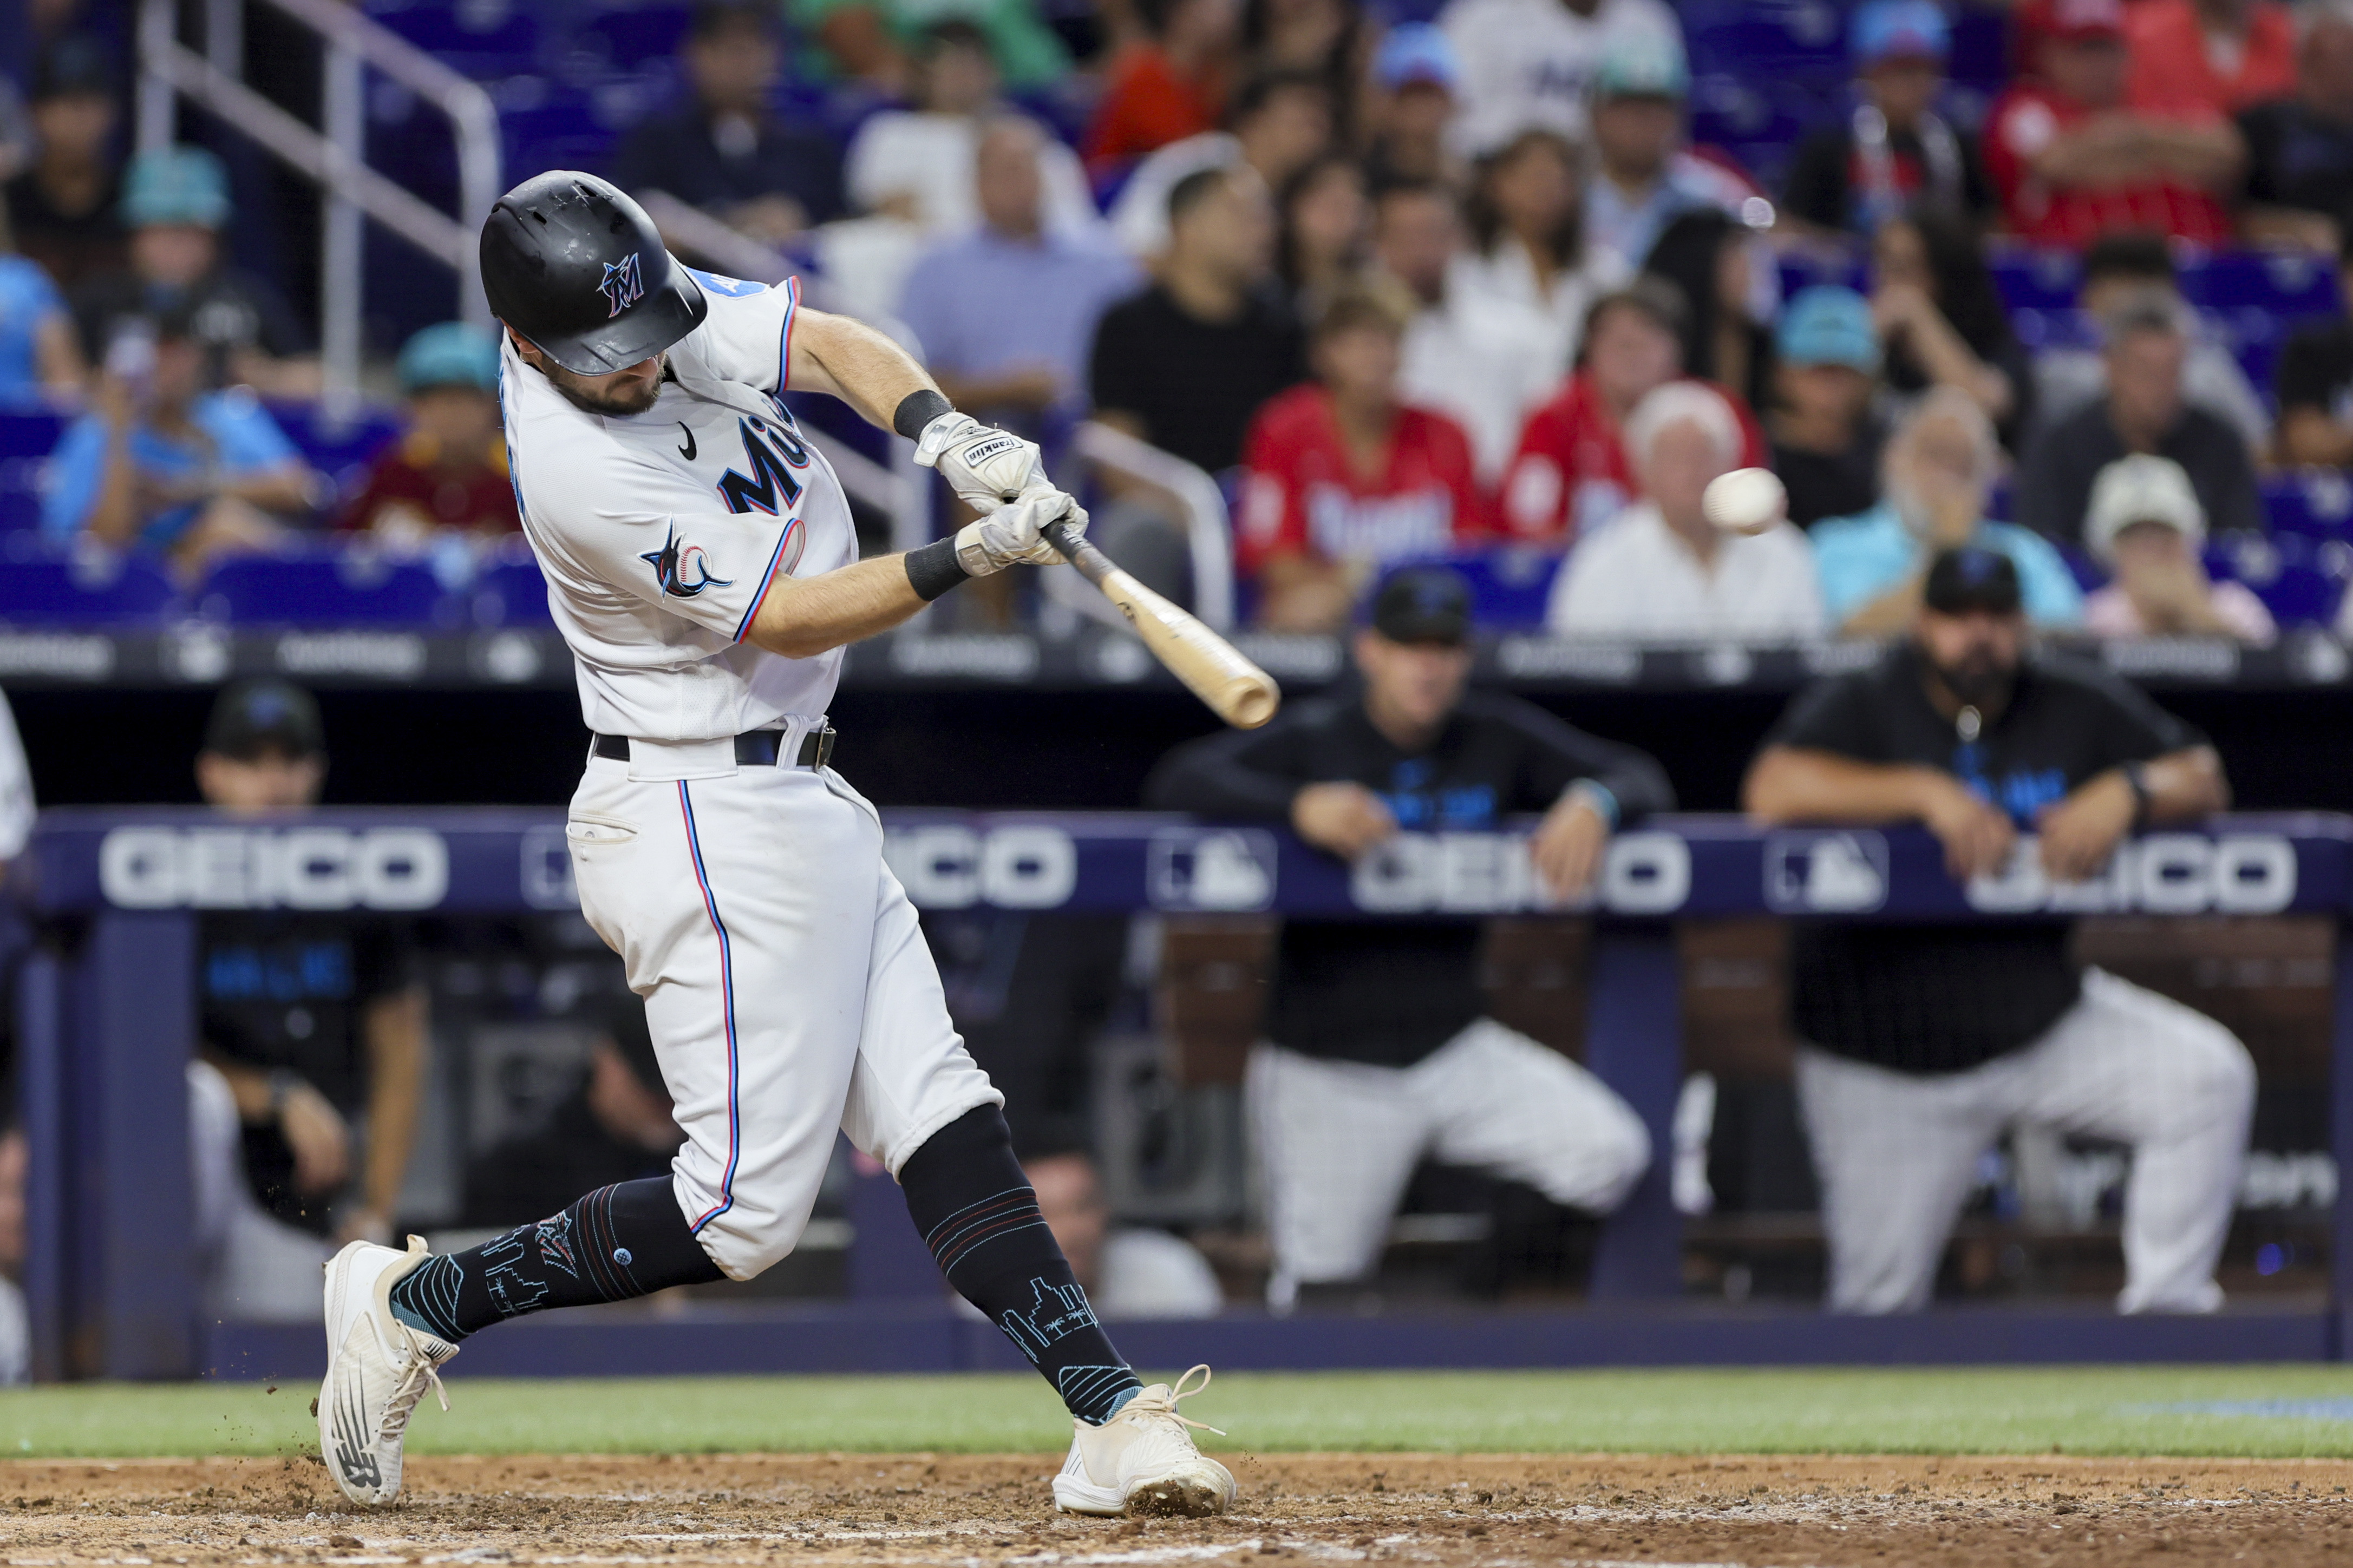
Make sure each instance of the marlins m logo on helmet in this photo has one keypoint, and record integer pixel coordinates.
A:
(624, 285)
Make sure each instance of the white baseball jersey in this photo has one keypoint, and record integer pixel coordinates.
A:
(660, 532)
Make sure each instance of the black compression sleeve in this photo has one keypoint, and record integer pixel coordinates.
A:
(918, 409)
(932, 569)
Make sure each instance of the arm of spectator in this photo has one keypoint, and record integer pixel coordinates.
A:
(1793, 784)
(57, 354)
(394, 1025)
(2079, 833)
(1906, 310)
(2208, 154)
(2107, 150)
(298, 379)
(1299, 592)
(2308, 437)
(2291, 227)
(281, 487)
(119, 510)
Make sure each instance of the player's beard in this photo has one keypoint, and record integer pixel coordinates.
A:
(642, 396)
(1978, 679)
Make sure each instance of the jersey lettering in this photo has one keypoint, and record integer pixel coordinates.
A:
(771, 473)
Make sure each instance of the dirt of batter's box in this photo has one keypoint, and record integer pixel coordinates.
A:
(975, 1512)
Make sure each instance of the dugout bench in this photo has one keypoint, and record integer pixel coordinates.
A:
(107, 1015)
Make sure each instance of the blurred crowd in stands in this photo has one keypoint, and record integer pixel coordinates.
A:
(1411, 283)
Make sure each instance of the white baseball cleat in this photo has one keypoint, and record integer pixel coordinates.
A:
(1142, 1460)
(378, 1369)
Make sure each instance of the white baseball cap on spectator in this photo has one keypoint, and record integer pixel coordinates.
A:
(1674, 403)
(2141, 488)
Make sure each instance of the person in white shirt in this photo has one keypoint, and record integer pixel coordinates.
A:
(1659, 572)
(1528, 238)
(917, 164)
(1643, 177)
(1528, 62)
(1279, 122)
(1482, 358)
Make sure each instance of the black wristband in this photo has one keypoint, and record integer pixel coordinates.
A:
(2137, 779)
(918, 409)
(932, 569)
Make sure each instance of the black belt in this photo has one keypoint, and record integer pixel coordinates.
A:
(753, 747)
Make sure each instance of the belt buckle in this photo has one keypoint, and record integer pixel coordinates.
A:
(824, 737)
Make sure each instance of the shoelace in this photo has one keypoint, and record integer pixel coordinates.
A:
(411, 1386)
(1168, 1406)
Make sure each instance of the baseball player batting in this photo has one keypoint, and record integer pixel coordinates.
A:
(700, 563)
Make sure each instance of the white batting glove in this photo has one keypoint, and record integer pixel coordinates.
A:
(985, 466)
(1012, 534)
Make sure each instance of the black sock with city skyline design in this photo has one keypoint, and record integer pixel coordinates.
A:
(979, 1215)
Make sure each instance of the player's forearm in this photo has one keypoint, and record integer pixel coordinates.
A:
(1789, 783)
(854, 363)
(803, 617)
(398, 1053)
(2307, 435)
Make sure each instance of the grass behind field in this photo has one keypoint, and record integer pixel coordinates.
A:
(2077, 1410)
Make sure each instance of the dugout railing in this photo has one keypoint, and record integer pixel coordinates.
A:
(106, 1016)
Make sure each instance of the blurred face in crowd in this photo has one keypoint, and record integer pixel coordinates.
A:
(1201, 27)
(461, 421)
(1328, 217)
(2091, 71)
(1900, 256)
(1903, 88)
(1410, 687)
(2145, 549)
(1413, 120)
(1824, 394)
(72, 128)
(1630, 354)
(1006, 180)
(1414, 236)
(271, 781)
(1069, 1198)
(1230, 231)
(960, 79)
(2145, 382)
(1633, 136)
(1534, 183)
(1289, 128)
(173, 253)
(2324, 67)
(733, 67)
(1683, 460)
(1938, 472)
(1975, 654)
(1359, 364)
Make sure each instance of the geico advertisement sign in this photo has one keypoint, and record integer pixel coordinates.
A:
(1486, 873)
(2163, 874)
(947, 865)
(266, 868)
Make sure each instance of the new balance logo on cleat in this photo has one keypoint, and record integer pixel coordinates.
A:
(353, 1458)
(1058, 1309)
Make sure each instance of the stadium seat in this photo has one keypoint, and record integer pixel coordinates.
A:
(1509, 587)
(328, 588)
(82, 589)
(2316, 503)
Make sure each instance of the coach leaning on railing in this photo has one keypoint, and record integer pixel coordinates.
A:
(1924, 1042)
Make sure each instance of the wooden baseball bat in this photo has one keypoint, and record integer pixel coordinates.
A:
(1237, 690)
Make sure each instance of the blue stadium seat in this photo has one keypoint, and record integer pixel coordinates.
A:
(44, 589)
(2313, 503)
(337, 447)
(512, 592)
(1509, 587)
(323, 589)
(2299, 580)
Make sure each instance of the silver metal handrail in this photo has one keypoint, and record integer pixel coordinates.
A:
(334, 159)
(1208, 534)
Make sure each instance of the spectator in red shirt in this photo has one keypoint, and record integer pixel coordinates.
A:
(2072, 160)
(1571, 473)
(1169, 86)
(2209, 57)
(1341, 479)
(449, 472)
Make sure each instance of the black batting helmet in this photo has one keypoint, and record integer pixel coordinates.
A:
(576, 266)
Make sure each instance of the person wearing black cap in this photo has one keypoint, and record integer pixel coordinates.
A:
(1924, 1043)
(1376, 1050)
(313, 1020)
(64, 210)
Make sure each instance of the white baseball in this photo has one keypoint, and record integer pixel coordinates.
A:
(1745, 501)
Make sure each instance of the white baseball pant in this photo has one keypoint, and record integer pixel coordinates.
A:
(1897, 1153)
(1337, 1141)
(788, 985)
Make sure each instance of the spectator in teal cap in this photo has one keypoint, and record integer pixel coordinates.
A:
(176, 201)
(1643, 177)
(449, 470)
(1826, 435)
(1891, 152)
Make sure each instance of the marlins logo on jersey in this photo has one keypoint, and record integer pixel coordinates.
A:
(683, 570)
